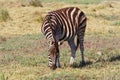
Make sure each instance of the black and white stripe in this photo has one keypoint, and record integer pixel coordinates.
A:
(64, 25)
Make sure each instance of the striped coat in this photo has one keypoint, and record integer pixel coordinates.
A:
(64, 25)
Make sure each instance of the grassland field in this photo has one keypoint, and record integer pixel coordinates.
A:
(23, 48)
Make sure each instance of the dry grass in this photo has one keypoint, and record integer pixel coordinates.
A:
(23, 52)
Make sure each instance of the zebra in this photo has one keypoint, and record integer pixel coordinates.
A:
(64, 25)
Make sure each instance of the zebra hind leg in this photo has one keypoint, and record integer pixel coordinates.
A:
(81, 40)
(73, 51)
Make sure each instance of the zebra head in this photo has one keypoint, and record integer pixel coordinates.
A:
(52, 55)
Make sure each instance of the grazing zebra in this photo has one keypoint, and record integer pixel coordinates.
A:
(64, 25)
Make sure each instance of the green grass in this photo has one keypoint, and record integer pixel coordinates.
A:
(80, 75)
(18, 46)
(117, 23)
(31, 61)
(19, 42)
(2, 76)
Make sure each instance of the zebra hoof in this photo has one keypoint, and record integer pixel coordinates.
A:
(53, 67)
(72, 64)
(59, 66)
(82, 63)
(72, 60)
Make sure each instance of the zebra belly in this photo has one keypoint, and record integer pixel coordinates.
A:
(62, 39)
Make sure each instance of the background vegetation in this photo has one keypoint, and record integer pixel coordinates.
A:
(23, 49)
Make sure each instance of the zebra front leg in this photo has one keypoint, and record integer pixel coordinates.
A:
(73, 51)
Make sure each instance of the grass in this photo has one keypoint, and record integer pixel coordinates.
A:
(24, 57)
(23, 48)
(86, 75)
(117, 23)
(76, 1)
(15, 45)
(105, 17)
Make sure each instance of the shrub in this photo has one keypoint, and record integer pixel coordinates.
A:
(4, 15)
(35, 3)
(2, 76)
(39, 19)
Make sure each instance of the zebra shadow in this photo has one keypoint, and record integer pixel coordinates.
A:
(114, 58)
(80, 65)
(111, 59)
(99, 61)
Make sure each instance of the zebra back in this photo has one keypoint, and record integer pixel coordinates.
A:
(63, 24)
